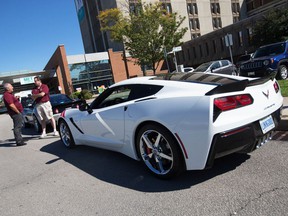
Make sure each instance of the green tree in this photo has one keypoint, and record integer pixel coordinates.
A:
(145, 33)
(272, 28)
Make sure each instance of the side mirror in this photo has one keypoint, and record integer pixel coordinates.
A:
(85, 107)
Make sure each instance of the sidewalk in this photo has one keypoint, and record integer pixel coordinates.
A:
(283, 125)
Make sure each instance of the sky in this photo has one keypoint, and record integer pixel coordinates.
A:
(31, 30)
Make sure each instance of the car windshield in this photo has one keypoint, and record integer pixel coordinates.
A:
(271, 50)
(59, 99)
(26, 101)
(203, 67)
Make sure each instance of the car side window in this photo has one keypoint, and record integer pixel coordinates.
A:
(140, 91)
(118, 95)
(215, 66)
(122, 94)
(224, 63)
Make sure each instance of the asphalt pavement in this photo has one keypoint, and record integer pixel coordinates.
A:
(45, 178)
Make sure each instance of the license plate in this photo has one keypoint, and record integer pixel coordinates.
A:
(267, 124)
(251, 73)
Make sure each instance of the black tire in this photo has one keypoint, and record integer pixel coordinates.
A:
(163, 158)
(65, 134)
(37, 125)
(282, 72)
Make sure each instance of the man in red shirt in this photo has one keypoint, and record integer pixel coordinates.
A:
(43, 106)
(14, 108)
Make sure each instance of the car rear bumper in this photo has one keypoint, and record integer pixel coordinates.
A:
(244, 139)
(258, 72)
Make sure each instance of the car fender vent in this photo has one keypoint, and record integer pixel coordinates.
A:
(76, 126)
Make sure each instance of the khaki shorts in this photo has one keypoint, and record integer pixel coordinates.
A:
(44, 110)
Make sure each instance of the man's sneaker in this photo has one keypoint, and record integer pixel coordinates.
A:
(56, 133)
(21, 144)
(43, 135)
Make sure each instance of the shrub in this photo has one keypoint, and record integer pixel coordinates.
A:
(84, 94)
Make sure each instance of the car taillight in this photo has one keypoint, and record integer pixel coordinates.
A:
(276, 86)
(233, 102)
(230, 102)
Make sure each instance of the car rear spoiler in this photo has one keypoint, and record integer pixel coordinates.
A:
(223, 84)
(238, 86)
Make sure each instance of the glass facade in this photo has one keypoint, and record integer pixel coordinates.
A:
(90, 75)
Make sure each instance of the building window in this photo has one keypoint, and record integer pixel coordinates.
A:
(235, 19)
(240, 38)
(194, 24)
(217, 23)
(195, 35)
(250, 36)
(166, 5)
(192, 8)
(200, 48)
(215, 7)
(216, 17)
(214, 46)
(250, 5)
(207, 49)
(222, 43)
(135, 6)
(235, 6)
(188, 53)
(87, 74)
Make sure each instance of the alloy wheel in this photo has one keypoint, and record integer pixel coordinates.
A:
(65, 134)
(156, 152)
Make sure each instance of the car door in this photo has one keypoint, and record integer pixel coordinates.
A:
(226, 67)
(104, 127)
(215, 67)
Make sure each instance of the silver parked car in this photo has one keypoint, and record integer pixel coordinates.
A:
(219, 66)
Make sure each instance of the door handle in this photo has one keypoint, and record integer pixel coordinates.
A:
(125, 108)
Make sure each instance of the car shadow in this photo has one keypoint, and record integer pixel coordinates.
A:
(123, 171)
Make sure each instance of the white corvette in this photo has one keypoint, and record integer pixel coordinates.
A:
(181, 121)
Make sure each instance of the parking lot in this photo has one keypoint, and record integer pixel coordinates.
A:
(45, 178)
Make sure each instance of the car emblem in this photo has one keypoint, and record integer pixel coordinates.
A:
(266, 94)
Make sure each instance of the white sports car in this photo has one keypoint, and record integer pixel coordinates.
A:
(177, 122)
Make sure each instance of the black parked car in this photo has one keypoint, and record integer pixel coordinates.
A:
(59, 103)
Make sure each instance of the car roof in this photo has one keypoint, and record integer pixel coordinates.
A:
(273, 44)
